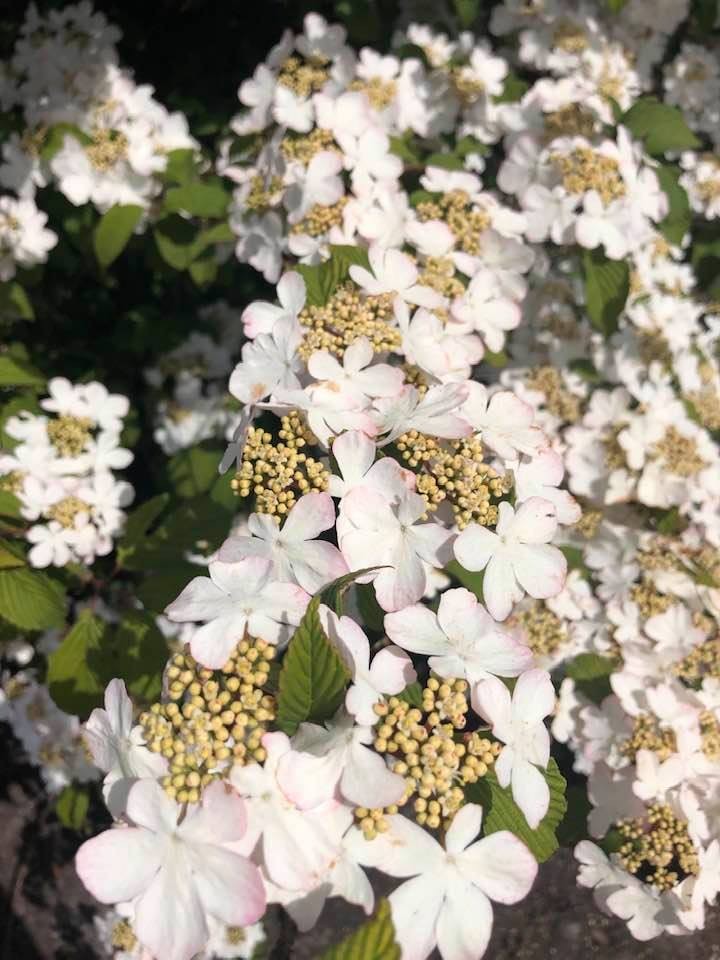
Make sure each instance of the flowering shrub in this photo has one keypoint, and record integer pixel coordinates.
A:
(393, 408)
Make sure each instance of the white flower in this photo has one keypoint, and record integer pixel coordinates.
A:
(52, 545)
(337, 756)
(269, 362)
(434, 347)
(298, 845)
(24, 239)
(461, 639)
(541, 476)
(261, 317)
(505, 422)
(296, 555)
(389, 673)
(517, 558)
(394, 272)
(354, 453)
(237, 596)
(357, 379)
(373, 531)
(447, 901)
(118, 748)
(437, 412)
(485, 308)
(518, 722)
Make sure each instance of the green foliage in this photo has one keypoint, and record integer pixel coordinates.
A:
(14, 302)
(662, 128)
(73, 685)
(573, 827)
(472, 580)
(30, 599)
(500, 812)
(323, 279)
(374, 940)
(615, 6)
(18, 373)
(198, 199)
(412, 694)
(9, 504)
(706, 257)
(679, 217)
(575, 560)
(313, 675)
(192, 471)
(113, 232)
(71, 806)
(514, 89)
(55, 138)
(607, 284)
(591, 674)
(11, 556)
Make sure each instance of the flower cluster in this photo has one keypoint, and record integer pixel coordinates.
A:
(61, 470)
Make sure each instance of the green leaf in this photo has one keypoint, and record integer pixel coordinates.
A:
(573, 828)
(500, 812)
(679, 217)
(142, 518)
(175, 241)
(615, 6)
(314, 676)
(374, 940)
(411, 51)
(607, 284)
(9, 504)
(198, 199)
(17, 373)
(194, 470)
(591, 674)
(14, 302)
(447, 161)
(706, 254)
(661, 127)
(31, 600)
(135, 650)
(113, 232)
(204, 270)
(157, 591)
(585, 368)
(332, 594)
(71, 806)
(472, 580)
(514, 89)
(706, 14)
(406, 148)
(670, 522)
(321, 280)
(73, 686)
(498, 360)
(371, 613)
(10, 556)
(466, 11)
(575, 560)
(180, 166)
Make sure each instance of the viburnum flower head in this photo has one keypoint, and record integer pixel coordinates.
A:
(118, 747)
(461, 639)
(354, 452)
(517, 557)
(261, 317)
(269, 362)
(392, 271)
(296, 555)
(518, 722)
(504, 421)
(447, 901)
(237, 597)
(175, 873)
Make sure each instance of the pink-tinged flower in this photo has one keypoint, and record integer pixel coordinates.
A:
(175, 873)
(261, 317)
(541, 477)
(336, 758)
(389, 673)
(518, 722)
(517, 558)
(485, 308)
(372, 532)
(294, 552)
(354, 453)
(461, 639)
(269, 362)
(118, 748)
(297, 845)
(437, 412)
(394, 272)
(357, 379)
(504, 421)
(433, 346)
(237, 597)
(447, 903)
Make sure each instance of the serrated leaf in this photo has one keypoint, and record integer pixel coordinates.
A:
(18, 373)
(591, 674)
(661, 127)
(31, 600)
(679, 217)
(332, 594)
(113, 231)
(500, 812)
(73, 686)
(198, 199)
(135, 650)
(607, 284)
(374, 940)
(72, 805)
